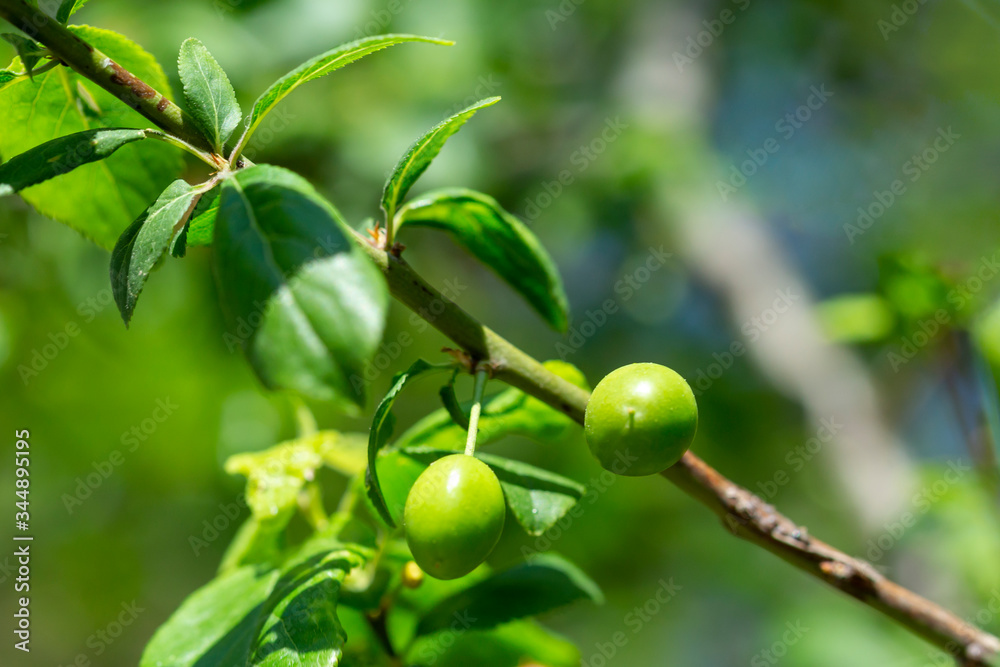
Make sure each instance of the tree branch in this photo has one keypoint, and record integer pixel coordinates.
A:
(102, 70)
(746, 515)
(743, 513)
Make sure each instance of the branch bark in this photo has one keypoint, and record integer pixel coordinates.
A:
(102, 70)
(746, 515)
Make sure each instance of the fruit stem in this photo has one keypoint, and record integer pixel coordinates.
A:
(477, 409)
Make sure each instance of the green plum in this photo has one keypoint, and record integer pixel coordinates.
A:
(454, 516)
(641, 419)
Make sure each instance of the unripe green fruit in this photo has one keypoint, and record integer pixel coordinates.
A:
(641, 419)
(454, 516)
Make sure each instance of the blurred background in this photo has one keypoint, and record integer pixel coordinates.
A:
(792, 204)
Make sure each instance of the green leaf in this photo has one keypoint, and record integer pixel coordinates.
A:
(61, 156)
(382, 426)
(450, 401)
(216, 624)
(68, 8)
(304, 301)
(512, 645)
(7, 76)
(511, 412)
(320, 66)
(537, 498)
(237, 615)
(200, 229)
(303, 629)
(145, 242)
(28, 50)
(103, 198)
(209, 94)
(544, 583)
(497, 239)
(420, 155)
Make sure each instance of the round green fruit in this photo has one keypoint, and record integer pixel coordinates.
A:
(454, 516)
(641, 419)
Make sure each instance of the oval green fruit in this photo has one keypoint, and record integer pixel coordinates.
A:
(640, 419)
(454, 516)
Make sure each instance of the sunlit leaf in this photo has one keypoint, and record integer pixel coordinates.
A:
(320, 66)
(68, 8)
(420, 155)
(303, 300)
(61, 156)
(544, 583)
(497, 239)
(382, 426)
(209, 94)
(145, 242)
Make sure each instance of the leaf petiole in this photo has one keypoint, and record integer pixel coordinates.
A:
(214, 161)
